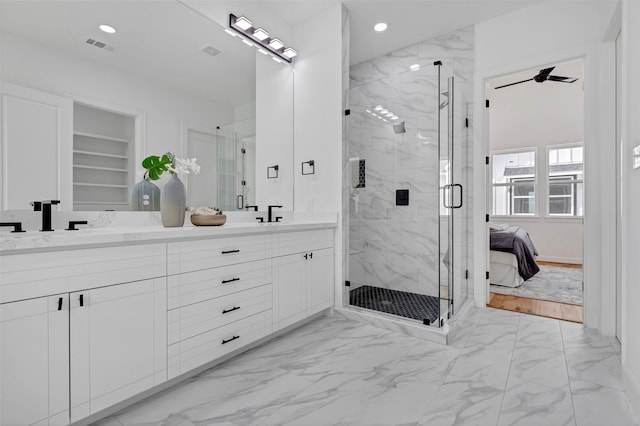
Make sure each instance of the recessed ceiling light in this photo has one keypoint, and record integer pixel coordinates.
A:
(381, 26)
(414, 67)
(107, 29)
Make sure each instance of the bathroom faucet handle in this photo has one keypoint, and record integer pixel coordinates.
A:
(73, 223)
(17, 226)
(248, 207)
(37, 206)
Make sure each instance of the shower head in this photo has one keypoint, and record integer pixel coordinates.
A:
(399, 128)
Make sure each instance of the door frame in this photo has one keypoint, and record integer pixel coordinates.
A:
(599, 141)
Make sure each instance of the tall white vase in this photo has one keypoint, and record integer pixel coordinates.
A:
(173, 202)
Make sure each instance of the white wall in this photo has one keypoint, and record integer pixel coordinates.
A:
(318, 112)
(538, 115)
(274, 132)
(631, 202)
(546, 33)
(164, 109)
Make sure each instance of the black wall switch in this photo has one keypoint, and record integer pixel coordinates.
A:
(402, 197)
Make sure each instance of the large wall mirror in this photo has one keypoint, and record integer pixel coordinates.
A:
(83, 107)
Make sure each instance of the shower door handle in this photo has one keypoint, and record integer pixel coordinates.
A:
(446, 194)
(461, 192)
(240, 202)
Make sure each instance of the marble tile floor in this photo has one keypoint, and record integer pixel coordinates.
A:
(505, 368)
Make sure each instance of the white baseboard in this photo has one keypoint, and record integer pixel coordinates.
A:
(632, 387)
(560, 259)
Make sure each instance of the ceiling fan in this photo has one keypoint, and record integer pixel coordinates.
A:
(543, 76)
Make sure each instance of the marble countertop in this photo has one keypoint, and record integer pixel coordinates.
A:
(36, 241)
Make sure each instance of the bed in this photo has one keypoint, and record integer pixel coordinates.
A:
(512, 256)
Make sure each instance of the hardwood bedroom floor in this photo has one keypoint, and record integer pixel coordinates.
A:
(543, 308)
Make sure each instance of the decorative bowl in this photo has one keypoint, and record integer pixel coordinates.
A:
(208, 219)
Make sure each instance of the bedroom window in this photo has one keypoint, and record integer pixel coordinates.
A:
(566, 177)
(514, 183)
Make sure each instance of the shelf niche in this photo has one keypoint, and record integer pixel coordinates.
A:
(102, 158)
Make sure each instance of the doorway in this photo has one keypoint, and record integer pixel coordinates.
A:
(536, 191)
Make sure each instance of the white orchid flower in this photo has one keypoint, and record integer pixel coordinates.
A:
(186, 166)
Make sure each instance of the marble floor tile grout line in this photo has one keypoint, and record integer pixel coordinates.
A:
(566, 363)
(504, 392)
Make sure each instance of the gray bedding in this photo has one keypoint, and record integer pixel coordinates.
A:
(516, 240)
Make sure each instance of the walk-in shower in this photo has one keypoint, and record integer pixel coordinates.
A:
(407, 145)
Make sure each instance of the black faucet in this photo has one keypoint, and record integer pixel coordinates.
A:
(17, 226)
(45, 208)
(248, 207)
(270, 213)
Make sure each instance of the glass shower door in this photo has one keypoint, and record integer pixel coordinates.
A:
(446, 265)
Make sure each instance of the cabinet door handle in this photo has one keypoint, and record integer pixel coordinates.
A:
(60, 304)
(230, 281)
(306, 256)
(230, 340)
(82, 300)
(226, 311)
(310, 255)
(230, 251)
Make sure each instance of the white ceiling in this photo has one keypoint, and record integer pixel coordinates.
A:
(409, 21)
(159, 41)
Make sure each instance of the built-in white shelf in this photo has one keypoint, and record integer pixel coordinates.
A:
(102, 137)
(99, 154)
(103, 143)
(106, 169)
(99, 185)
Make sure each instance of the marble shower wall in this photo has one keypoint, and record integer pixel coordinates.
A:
(397, 246)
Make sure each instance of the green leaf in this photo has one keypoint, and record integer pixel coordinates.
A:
(156, 166)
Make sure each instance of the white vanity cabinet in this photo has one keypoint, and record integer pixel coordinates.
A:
(85, 329)
(118, 343)
(303, 275)
(219, 294)
(34, 360)
(97, 337)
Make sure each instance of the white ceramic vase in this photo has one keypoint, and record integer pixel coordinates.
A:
(173, 202)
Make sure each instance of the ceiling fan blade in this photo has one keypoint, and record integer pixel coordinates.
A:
(511, 84)
(561, 79)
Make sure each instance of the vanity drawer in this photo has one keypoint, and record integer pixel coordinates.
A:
(25, 276)
(194, 287)
(189, 321)
(203, 348)
(285, 243)
(190, 256)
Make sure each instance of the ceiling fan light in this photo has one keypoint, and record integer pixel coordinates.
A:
(276, 44)
(289, 52)
(261, 34)
(243, 23)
